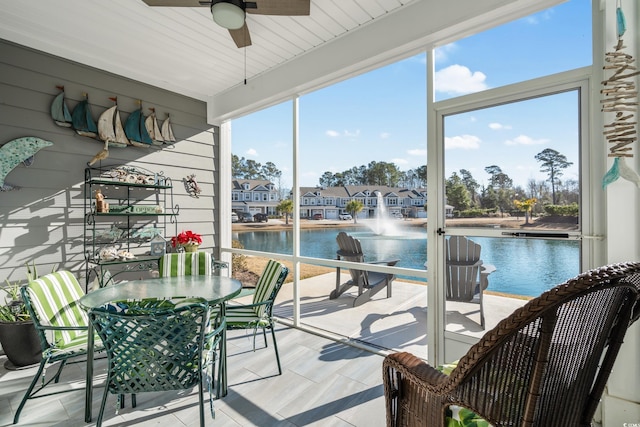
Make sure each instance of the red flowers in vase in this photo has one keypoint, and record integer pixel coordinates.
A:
(186, 238)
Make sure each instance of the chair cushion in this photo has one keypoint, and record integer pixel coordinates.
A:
(242, 316)
(266, 284)
(54, 298)
(255, 314)
(185, 264)
(457, 416)
(78, 345)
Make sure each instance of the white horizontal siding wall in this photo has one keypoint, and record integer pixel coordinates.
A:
(43, 221)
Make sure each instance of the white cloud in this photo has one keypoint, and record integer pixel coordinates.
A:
(526, 140)
(417, 152)
(398, 161)
(385, 135)
(252, 152)
(498, 126)
(543, 16)
(441, 53)
(458, 79)
(335, 134)
(464, 142)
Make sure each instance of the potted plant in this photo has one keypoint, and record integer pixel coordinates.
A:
(188, 240)
(18, 335)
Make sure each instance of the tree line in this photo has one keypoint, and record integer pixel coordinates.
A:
(242, 168)
(469, 198)
(377, 173)
(462, 190)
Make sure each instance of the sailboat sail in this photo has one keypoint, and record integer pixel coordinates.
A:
(110, 128)
(136, 130)
(167, 132)
(121, 136)
(82, 120)
(151, 123)
(59, 110)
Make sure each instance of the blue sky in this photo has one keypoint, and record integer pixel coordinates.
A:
(381, 115)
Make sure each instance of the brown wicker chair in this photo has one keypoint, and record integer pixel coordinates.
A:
(545, 365)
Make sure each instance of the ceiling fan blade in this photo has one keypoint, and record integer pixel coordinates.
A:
(241, 36)
(178, 3)
(279, 7)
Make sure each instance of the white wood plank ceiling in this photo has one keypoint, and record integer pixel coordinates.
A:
(180, 49)
(184, 51)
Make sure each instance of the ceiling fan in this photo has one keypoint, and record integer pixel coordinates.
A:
(230, 14)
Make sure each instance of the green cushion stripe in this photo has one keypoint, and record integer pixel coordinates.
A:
(77, 345)
(241, 316)
(204, 263)
(235, 312)
(249, 316)
(54, 299)
(266, 284)
(185, 264)
(249, 323)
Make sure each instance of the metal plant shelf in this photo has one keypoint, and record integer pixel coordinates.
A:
(132, 223)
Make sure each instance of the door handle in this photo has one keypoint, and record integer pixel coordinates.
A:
(537, 234)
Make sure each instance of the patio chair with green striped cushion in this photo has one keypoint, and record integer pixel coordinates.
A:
(186, 264)
(62, 325)
(258, 314)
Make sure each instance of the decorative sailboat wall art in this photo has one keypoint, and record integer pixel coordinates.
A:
(82, 119)
(151, 123)
(110, 127)
(167, 131)
(138, 130)
(59, 110)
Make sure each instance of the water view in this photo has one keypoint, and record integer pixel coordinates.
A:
(523, 266)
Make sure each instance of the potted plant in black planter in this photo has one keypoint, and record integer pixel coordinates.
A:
(18, 336)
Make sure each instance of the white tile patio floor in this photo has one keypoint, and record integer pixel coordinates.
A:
(324, 383)
(398, 323)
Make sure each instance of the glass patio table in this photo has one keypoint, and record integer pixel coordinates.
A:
(215, 289)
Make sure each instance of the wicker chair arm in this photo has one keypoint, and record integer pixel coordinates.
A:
(415, 392)
(417, 371)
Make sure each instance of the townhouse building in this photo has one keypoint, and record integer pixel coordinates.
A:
(330, 202)
(254, 196)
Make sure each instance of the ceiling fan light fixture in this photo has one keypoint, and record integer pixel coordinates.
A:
(228, 14)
